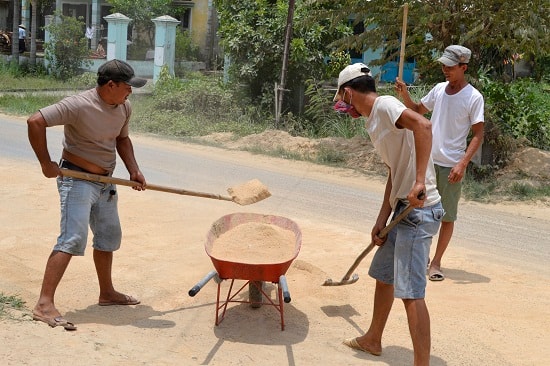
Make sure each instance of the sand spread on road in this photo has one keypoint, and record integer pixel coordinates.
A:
(255, 243)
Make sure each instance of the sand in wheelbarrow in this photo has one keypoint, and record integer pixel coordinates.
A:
(255, 243)
(249, 192)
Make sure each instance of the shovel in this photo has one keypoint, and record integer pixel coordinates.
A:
(247, 193)
(348, 279)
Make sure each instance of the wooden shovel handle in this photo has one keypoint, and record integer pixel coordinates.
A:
(381, 234)
(371, 246)
(130, 183)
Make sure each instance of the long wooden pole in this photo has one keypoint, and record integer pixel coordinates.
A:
(403, 40)
(281, 89)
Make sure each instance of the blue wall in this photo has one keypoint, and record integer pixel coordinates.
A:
(387, 72)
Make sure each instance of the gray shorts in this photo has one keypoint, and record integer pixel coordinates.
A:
(401, 261)
(87, 204)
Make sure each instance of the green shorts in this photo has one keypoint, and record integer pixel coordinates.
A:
(449, 192)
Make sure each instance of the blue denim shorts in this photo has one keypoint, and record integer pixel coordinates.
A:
(402, 260)
(87, 204)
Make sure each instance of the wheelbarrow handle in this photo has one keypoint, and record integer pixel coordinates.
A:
(284, 287)
(195, 290)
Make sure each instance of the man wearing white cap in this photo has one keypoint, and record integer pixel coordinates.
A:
(457, 107)
(403, 138)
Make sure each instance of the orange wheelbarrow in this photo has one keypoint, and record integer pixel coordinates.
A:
(253, 274)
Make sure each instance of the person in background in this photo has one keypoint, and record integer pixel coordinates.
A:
(22, 37)
(457, 108)
(403, 138)
(95, 129)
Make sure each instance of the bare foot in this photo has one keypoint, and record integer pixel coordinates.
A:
(45, 310)
(52, 317)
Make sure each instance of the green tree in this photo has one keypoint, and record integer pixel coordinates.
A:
(495, 30)
(141, 12)
(67, 50)
(252, 35)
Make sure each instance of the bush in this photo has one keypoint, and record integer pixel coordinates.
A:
(23, 69)
(185, 48)
(196, 95)
(84, 80)
(196, 106)
(336, 63)
(520, 109)
(320, 118)
(67, 51)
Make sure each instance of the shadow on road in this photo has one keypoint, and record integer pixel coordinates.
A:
(462, 277)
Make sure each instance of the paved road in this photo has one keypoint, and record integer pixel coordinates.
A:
(512, 236)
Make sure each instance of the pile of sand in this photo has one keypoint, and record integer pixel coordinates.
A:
(255, 243)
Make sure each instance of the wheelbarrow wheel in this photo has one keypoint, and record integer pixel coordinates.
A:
(255, 296)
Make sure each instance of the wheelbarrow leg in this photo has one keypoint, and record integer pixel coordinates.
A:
(218, 304)
(224, 305)
(284, 296)
(281, 306)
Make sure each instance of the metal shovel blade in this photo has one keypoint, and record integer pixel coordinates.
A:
(344, 281)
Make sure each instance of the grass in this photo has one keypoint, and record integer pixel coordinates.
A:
(330, 156)
(523, 191)
(8, 303)
(490, 190)
(478, 190)
(25, 104)
(24, 95)
(177, 124)
(9, 82)
(278, 152)
(31, 83)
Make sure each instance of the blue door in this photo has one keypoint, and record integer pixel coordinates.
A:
(390, 69)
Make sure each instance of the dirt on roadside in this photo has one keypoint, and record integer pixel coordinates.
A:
(528, 166)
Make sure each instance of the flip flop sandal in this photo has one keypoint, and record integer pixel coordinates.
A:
(128, 300)
(352, 343)
(435, 274)
(58, 321)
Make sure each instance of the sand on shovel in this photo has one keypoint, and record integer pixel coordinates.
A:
(249, 192)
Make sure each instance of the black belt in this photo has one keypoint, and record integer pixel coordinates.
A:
(68, 165)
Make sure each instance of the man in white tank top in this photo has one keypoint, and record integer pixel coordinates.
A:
(403, 138)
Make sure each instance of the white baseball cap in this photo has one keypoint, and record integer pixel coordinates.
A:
(351, 72)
